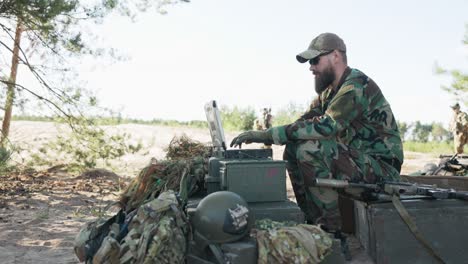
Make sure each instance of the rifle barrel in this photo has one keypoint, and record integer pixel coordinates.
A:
(331, 183)
(341, 184)
(392, 188)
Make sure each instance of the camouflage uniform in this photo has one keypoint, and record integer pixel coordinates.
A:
(267, 117)
(348, 133)
(459, 127)
(264, 122)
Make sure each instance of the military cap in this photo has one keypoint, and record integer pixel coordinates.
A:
(455, 106)
(323, 43)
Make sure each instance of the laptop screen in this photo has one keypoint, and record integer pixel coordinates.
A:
(214, 124)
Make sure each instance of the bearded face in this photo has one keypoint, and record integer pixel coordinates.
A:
(324, 79)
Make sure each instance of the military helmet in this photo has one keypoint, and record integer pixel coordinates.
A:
(222, 217)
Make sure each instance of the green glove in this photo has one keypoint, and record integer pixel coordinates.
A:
(252, 136)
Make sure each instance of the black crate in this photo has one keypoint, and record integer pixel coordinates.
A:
(387, 239)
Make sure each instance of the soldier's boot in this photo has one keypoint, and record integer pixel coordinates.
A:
(331, 222)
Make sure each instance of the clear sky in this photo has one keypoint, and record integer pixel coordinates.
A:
(243, 53)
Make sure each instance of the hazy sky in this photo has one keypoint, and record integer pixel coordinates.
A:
(243, 53)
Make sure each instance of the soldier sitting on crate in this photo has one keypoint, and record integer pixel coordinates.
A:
(459, 128)
(349, 132)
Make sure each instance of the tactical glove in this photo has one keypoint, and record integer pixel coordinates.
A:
(252, 136)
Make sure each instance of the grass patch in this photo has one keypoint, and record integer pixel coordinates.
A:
(411, 156)
(429, 147)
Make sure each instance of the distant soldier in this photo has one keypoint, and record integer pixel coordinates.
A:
(459, 127)
(258, 124)
(267, 118)
(264, 122)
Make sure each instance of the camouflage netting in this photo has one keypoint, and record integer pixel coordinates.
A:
(185, 148)
(185, 162)
(151, 227)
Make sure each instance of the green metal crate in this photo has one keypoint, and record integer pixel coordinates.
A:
(255, 180)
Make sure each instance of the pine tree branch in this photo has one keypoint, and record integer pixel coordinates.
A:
(38, 97)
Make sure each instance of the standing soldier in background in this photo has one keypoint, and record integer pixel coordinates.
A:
(264, 122)
(267, 118)
(459, 127)
(267, 121)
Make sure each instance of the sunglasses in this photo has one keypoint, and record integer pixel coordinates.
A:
(316, 60)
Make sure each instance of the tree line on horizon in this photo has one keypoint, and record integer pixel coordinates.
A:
(242, 119)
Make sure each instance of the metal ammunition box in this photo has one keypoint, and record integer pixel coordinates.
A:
(277, 211)
(248, 154)
(255, 180)
(213, 180)
(387, 239)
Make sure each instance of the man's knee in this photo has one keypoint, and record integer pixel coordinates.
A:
(325, 198)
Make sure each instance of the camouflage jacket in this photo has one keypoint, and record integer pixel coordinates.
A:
(356, 114)
(459, 123)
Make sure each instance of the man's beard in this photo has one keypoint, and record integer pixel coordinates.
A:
(324, 79)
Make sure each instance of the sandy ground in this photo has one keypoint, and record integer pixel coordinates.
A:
(41, 213)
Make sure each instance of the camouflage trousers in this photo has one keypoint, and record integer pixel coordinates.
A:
(311, 159)
(460, 140)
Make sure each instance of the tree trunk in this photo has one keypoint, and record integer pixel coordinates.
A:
(10, 96)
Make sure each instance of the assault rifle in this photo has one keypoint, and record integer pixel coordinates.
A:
(384, 190)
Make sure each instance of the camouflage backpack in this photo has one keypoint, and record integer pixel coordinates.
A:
(92, 234)
(157, 233)
(153, 233)
(292, 244)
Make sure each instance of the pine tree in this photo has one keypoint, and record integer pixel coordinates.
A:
(459, 86)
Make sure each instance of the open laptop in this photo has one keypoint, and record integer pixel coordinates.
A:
(219, 140)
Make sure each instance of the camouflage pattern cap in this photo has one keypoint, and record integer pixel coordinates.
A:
(321, 44)
(455, 106)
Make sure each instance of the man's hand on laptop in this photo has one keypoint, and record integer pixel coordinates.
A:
(251, 137)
